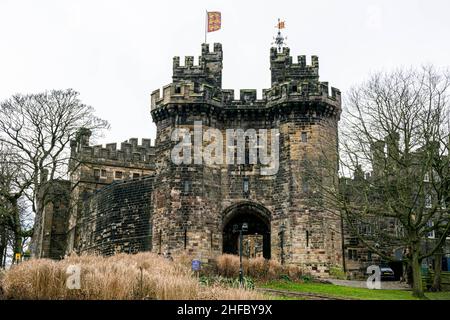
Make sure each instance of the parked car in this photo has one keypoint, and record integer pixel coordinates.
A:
(387, 274)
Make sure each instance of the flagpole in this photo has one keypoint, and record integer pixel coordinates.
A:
(206, 24)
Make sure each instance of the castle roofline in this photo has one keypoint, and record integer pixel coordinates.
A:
(185, 93)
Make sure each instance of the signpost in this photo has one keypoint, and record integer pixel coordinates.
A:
(196, 266)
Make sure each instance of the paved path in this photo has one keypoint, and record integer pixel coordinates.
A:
(386, 285)
(300, 295)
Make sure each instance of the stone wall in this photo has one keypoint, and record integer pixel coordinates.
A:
(92, 168)
(117, 218)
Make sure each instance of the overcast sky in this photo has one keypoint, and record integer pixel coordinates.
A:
(115, 53)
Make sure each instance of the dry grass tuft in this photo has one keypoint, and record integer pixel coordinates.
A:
(139, 276)
(256, 268)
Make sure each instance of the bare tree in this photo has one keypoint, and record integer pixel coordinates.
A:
(14, 182)
(36, 131)
(395, 127)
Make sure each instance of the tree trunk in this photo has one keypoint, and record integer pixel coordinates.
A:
(2, 255)
(17, 243)
(3, 245)
(17, 230)
(437, 270)
(407, 274)
(417, 274)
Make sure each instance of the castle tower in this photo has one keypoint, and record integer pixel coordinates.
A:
(196, 206)
(307, 116)
(185, 199)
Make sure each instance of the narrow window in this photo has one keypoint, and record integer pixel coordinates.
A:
(118, 174)
(196, 87)
(186, 186)
(304, 137)
(211, 240)
(96, 173)
(294, 88)
(160, 242)
(247, 151)
(307, 238)
(428, 201)
(177, 89)
(430, 234)
(103, 173)
(185, 238)
(305, 184)
(369, 255)
(245, 185)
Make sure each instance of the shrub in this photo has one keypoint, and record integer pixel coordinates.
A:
(285, 277)
(257, 268)
(228, 265)
(139, 276)
(2, 275)
(216, 280)
(337, 272)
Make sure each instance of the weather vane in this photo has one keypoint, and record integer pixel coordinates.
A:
(279, 39)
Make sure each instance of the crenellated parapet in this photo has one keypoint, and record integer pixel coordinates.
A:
(129, 151)
(247, 99)
(303, 91)
(292, 83)
(291, 91)
(185, 92)
(284, 69)
(208, 70)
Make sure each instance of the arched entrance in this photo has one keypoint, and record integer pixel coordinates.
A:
(256, 240)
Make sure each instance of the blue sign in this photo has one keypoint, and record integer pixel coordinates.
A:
(196, 265)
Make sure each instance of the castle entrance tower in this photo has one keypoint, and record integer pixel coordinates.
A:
(196, 204)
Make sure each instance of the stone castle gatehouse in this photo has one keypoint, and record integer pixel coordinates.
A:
(135, 198)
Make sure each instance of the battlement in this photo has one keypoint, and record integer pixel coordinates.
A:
(284, 69)
(208, 70)
(186, 92)
(291, 82)
(294, 90)
(302, 90)
(129, 151)
(247, 98)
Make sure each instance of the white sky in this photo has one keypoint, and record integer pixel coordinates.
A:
(115, 53)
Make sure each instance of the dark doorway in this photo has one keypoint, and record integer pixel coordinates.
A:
(397, 267)
(256, 239)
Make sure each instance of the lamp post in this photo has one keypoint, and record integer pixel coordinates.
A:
(242, 228)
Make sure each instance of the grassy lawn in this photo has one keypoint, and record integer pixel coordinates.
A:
(272, 297)
(349, 292)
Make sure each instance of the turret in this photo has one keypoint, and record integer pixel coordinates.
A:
(283, 69)
(208, 71)
(378, 157)
(392, 145)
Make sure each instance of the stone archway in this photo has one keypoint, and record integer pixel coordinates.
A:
(257, 239)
